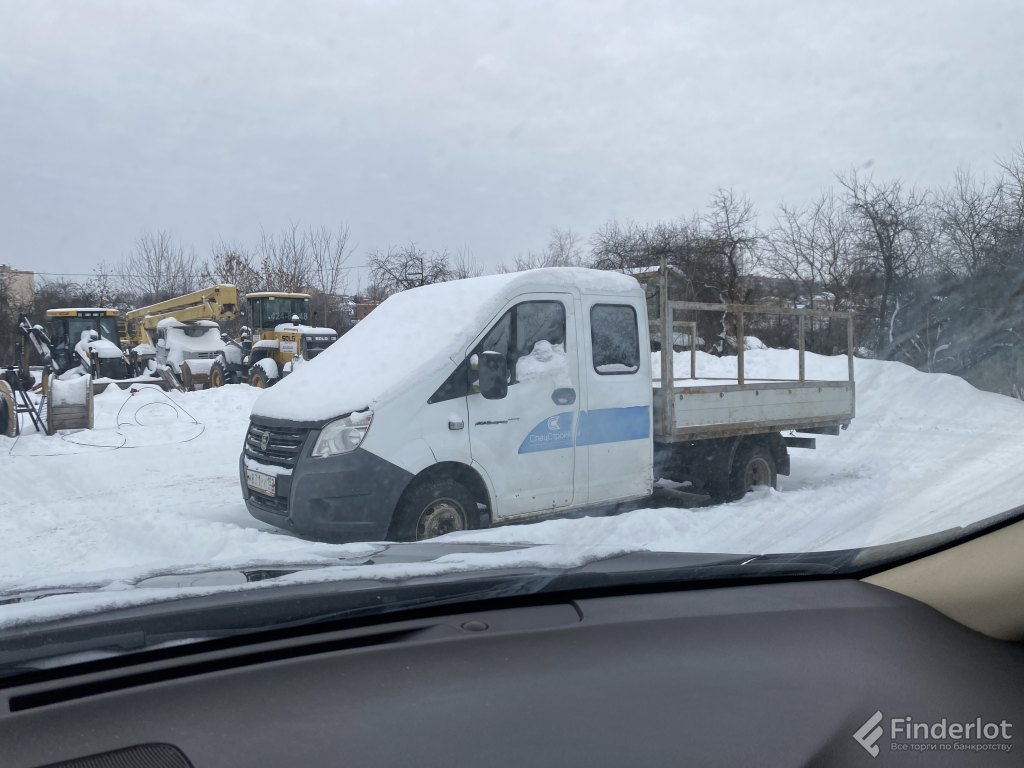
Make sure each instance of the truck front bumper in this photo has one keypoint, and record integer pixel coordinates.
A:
(350, 497)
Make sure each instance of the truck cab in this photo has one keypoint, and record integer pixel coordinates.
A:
(513, 397)
(497, 398)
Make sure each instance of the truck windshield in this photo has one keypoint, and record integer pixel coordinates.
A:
(271, 311)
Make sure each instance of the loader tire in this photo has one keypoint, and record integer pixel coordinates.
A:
(218, 376)
(8, 412)
(258, 378)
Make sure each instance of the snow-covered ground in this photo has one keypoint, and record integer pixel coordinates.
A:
(155, 487)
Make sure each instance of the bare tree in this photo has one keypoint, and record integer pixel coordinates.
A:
(106, 288)
(158, 268)
(813, 249)
(890, 225)
(232, 263)
(328, 252)
(731, 240)
(398, 269)
(463, 265)
(1010, 246)
(285, 261)
(564, 249)
(967, 223)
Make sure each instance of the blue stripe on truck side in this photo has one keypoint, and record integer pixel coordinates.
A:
(604, 425)
(614, 425)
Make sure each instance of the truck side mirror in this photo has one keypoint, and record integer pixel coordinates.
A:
(493, 375)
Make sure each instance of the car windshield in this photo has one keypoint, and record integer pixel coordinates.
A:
(577, 281)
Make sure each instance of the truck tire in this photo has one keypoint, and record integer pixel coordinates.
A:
(218, 374)
(753, 465)
(258, 378)
(433, 508)
(263, 373)
(8, 412)
(186, 377)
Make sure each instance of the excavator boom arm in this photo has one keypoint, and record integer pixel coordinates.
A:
(217, 302)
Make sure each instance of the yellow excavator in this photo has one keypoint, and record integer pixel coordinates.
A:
(181, 337)
(278, 338)
(86, 340)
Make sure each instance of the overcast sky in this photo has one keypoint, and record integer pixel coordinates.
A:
(473, 126)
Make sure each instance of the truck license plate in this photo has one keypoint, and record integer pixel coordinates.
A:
(263, 483)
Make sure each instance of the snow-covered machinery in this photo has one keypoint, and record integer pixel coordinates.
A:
(280, 338)
(66, 403)
(181, 337)
(84, 341)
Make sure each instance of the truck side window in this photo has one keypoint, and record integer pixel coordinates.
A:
(615, 339)
(539, 353)
(533, 329)
(531, 336)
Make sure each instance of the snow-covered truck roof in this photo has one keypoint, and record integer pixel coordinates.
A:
(414, 334)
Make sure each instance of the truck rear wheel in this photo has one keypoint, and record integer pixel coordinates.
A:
(433, 508)
(753, 466)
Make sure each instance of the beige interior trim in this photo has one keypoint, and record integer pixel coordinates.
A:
(979, 583)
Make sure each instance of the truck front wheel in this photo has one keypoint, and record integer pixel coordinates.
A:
(753, 466)
(433, 508)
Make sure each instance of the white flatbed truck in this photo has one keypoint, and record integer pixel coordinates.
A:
(513, 397)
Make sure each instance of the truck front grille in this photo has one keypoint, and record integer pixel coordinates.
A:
(274, 445)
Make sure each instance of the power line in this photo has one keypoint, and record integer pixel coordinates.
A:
(135, 276)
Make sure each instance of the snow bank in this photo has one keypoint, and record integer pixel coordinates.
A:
(927, 452)
(413, 335)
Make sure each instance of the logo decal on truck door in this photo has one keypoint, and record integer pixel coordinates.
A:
(551, 434)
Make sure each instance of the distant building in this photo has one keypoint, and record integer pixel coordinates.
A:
(18, 286)
(363, 308)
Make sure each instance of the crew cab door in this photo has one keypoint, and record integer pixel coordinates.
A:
(615, 426)
(524, 442)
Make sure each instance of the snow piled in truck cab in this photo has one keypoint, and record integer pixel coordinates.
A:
(414, 335)
(547, 360)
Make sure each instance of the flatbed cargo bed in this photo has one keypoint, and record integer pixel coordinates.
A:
(722, 410)
(696, 408)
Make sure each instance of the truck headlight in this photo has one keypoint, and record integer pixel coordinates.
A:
(342, 435)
